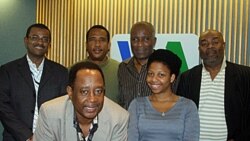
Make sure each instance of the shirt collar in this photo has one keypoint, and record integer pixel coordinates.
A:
(94, 122)
(223, 66)
(33, 65)
(105, 62)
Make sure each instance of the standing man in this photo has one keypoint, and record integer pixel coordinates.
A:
(132, 72)
(28, 82)
(98, 47)
(220, 90)
(85, 114)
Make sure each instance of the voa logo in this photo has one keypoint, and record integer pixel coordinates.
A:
(184, 45)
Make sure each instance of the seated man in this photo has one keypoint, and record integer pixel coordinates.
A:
(84, 114)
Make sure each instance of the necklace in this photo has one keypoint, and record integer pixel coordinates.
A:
(168, 99)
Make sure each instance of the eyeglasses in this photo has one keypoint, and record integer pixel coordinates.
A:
(37, 38)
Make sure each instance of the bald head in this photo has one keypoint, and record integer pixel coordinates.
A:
(211, 48)
(210, 32)
(143, 25)
(142, 38)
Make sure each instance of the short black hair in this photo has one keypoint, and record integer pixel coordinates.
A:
(37, 25)
(82, 66)
(99, 27)
(168, 58)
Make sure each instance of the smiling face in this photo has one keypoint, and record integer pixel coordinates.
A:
(97, 44)
(37, 42)
(159, 78)
(211, 48)
(87, 93)
(142, 40)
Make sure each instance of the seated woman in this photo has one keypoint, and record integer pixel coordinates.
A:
(163, 115)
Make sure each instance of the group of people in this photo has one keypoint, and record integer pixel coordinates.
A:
(41, 101)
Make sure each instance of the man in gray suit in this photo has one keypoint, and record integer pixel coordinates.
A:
(28, 82)
(85, 114)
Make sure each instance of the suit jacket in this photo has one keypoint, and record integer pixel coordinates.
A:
(55, 122)
(236, 99)
(18, 96)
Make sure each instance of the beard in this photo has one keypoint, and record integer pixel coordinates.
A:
(212, 62)
(212, 57)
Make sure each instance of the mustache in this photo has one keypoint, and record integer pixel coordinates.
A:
(211, 50)
(92, 105)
